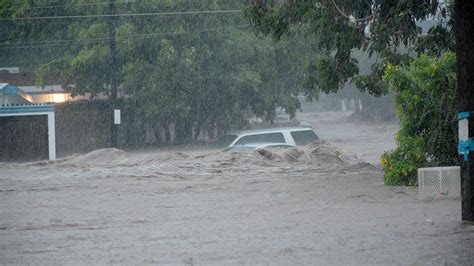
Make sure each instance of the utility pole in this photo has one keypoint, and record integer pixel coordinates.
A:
(113, 70)
(464, 31)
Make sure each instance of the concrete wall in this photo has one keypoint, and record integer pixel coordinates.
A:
(80, 127)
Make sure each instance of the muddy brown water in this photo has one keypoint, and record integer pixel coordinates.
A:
(323, 204)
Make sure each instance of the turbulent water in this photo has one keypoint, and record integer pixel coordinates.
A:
(324, 203)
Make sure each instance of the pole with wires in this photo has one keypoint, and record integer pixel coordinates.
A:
(113, 72)
(466, 152)
(464, 32)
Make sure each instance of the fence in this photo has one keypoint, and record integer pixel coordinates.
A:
(439, 182)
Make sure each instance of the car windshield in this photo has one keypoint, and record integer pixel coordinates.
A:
(224, 141)
(304, 137)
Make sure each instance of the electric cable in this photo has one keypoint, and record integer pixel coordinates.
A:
(53, 43)
(128, 15)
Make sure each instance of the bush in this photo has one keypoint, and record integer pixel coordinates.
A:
(400, 166)
(425, 95)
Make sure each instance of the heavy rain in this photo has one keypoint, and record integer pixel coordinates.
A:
(236, 132)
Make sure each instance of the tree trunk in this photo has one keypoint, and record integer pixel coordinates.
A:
(183, 132)
(211, 130)
(464, 30)
(178, 132)
(157, 132)
(188, 132)
(166, 126)
(197, 131)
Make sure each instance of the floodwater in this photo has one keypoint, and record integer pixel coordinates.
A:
(321, 204)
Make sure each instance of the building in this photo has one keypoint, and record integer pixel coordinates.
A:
(18, 87)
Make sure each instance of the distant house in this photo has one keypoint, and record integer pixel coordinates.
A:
(19, 88)
(15, 70)
(11, 94)
(28, 119)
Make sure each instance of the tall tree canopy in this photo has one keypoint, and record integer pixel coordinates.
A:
(204, 68)
(381, 28)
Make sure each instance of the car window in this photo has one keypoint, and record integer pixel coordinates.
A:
(304, 137)
(262, 138)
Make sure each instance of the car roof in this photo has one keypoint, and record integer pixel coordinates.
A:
(269, 130)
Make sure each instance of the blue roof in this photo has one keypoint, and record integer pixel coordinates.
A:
(8, 89)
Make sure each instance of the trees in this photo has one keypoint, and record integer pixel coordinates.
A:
(18, 37)
(201, 71)
(426, 104)
(391, 31)
(380, 28)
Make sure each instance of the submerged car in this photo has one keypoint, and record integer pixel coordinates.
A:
(292, 136)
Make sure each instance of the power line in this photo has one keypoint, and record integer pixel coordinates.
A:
(97, 40)
(129, 15)
(52, 41)
(351, 17)
(65, 6)
(88, 40)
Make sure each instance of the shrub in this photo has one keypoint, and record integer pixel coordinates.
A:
(425, 96)
(400, 166)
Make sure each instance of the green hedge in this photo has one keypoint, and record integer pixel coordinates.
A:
(426, 104)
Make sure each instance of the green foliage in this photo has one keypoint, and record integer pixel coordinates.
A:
(426, 104)
(208, 70)
(378, 27)
(437, 40)
(400, 166)
(389, 30)
(203, 70)
(20, 33)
